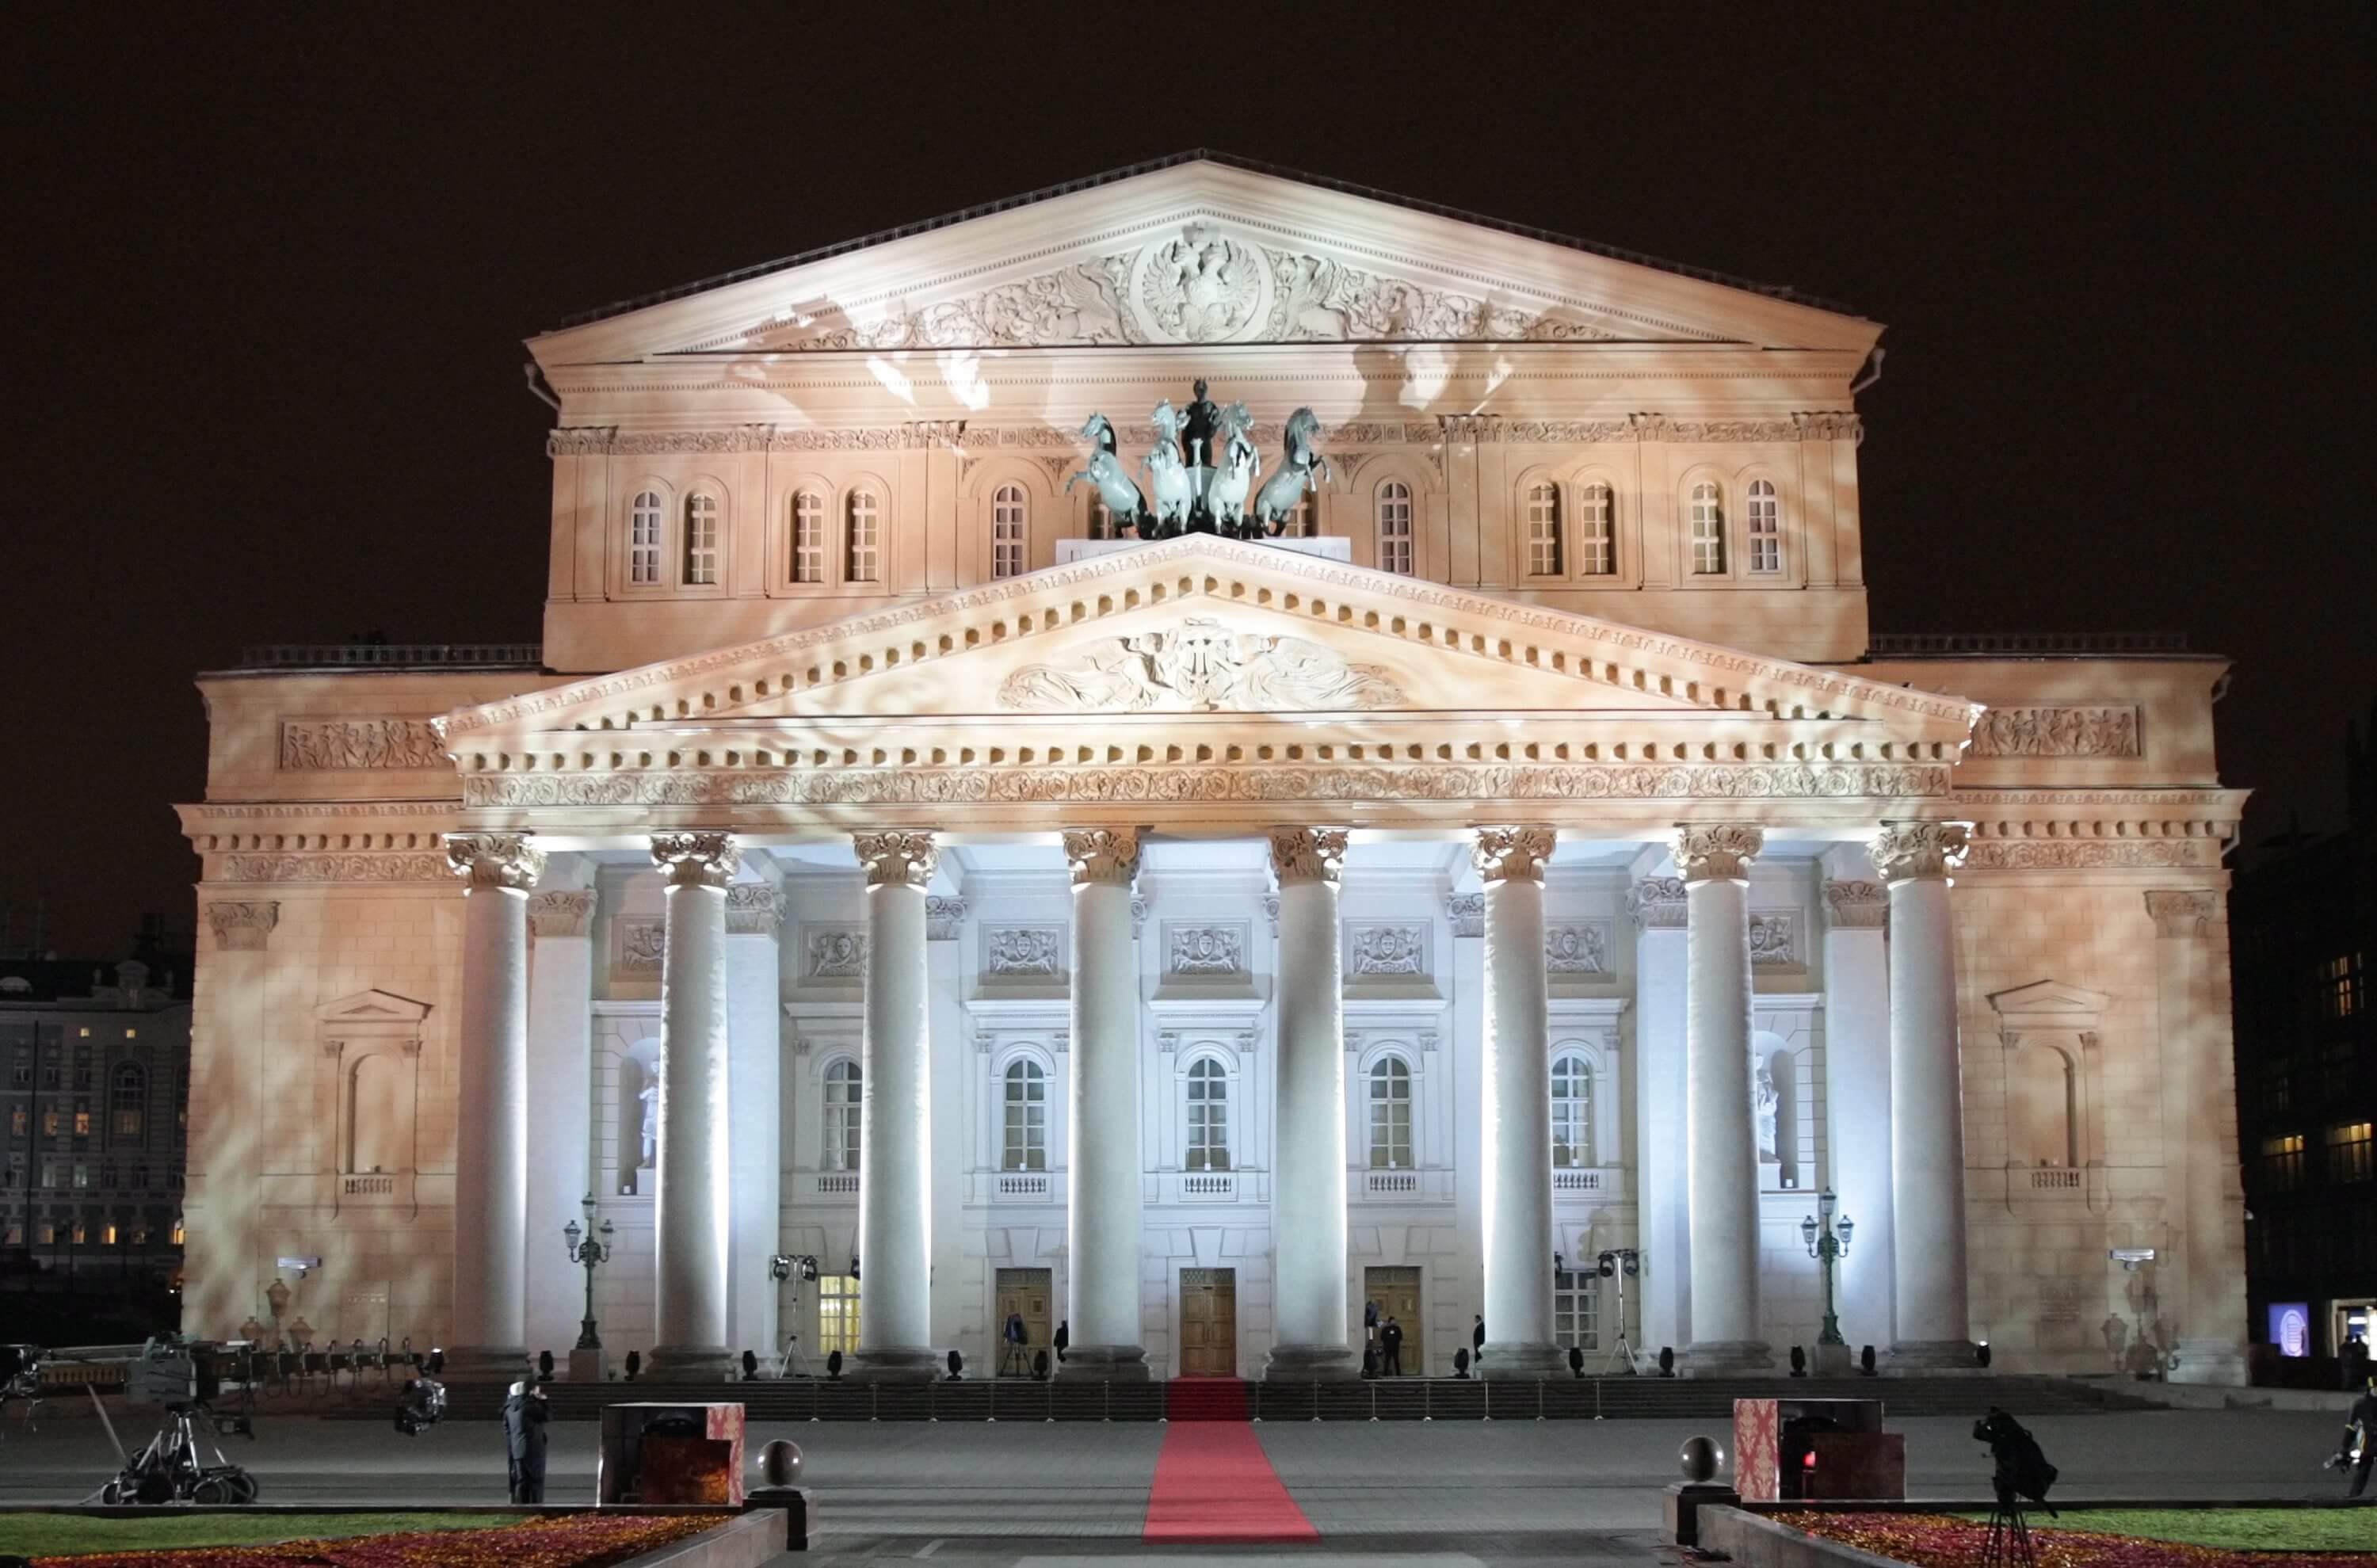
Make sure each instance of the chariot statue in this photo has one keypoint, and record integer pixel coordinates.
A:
(1234, 478)
(1202, 472)
(1123, 501)
(1284, 490)
(1176, 490)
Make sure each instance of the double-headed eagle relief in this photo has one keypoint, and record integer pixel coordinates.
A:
(1201, 472)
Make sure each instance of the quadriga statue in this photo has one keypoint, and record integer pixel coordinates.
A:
(1286, 489)
(1122, 502)
(1234, 476)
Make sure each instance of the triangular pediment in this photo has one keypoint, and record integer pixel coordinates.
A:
(1207, 251)
(2049, 1004)
(1204, 626)
(372, 1007)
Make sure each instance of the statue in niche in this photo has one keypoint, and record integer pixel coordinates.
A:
(1767, 1101)
(1284, 490)
(651, 1095)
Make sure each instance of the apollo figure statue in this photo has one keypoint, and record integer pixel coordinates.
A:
(1226, 498)
(1282, 493)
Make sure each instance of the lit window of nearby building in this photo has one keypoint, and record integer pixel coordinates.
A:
(2282, 1162)
(1395, 527)
(2347, 1151)
(1571, 1111)
(81, 1234)
(107, 1236)
(82, 1122)
(644, 538)
(1708, 530)
(16, 1236)
(1544, 531)
(700, 539)
(1596, 531)
(1209, 1115)
(19, 1120)
(178, 1233)
(863, 543)
(837, 1313)
(2340, 982)
(1391, 1114)
(49, 1236)
(1765, 527)
(1009, 542)
(140, 1235)
(1026, 1120)
(81, 1174)
(809, 536)
(50, 1122)
(841, 1087)
(130, 1090)
(85, 1032)
(1576, 1309)
(49, 1174)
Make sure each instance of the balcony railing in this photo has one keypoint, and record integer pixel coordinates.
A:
(833, 1186)
(1589, 1181)
(1021, 1186)
(1209, 1187)
(2055, 1179)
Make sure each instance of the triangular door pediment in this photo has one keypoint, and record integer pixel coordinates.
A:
(1201, 252)
(2044, 1003)
(372, 1007)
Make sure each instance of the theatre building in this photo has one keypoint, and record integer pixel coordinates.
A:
(1526, 853)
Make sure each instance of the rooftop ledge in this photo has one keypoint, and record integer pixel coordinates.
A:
(2030, 645)
(390, 656)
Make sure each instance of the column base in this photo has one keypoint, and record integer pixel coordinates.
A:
(1833, 1362)
(1105, 1363)
(2220, 1363)
(1724, 1358)
(487, 1363)
(1312, 1363)
(590, 1366)
(908, 1363)
(1510, 1360)
(690, 1363)
(1932, 1359)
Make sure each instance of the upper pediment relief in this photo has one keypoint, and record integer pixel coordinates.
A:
(1201, 252)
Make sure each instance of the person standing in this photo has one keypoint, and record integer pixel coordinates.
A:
(1477, 1339)
(525, 1415)
(2354, 1451)
(1064, 1337)
(1014, 1335)
(1391, 1338)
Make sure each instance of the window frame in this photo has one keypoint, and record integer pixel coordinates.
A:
(709, 497)
(1009, 557)
(852, 496)
(1543, 525)
(1696, 538)
(1581, 547)
(1577, 1108)
(1381, 1072)
(1205, 1086)
(1757, 489)
(1024, 1117)
(842, 1093)
(1388, 547)
(806, 489)
(664, 496)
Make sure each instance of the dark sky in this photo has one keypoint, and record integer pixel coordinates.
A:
(272, 275)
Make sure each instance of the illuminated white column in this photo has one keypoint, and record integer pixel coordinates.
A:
(2200, 1133)
(1515, 1107)
(755, 1035)
(895, 1136)
(1310, 1323)
(1102, 1217)
(1926, 1109)
(1662, 1136)
(490, 1330)
(1721, 1164)
(560, 1070)
(1856, 1092)
(689, 1225)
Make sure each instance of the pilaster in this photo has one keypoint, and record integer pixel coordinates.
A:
(2199, 1134)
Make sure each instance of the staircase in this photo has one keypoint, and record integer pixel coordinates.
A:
(1207, 1399)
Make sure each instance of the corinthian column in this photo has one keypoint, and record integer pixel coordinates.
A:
(1516, 1106)
(1308, 1208)
(1927, 1106)
(690, 1214)
(2200, 1133)
(1102, 1219)
(1721, 1164)
(755, 917)
(560, 1039)
(490, 1327)
(895, 1128)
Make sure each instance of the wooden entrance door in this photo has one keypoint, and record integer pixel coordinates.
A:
(1208, 1322)
(1396, 1291)
(1026, 1291)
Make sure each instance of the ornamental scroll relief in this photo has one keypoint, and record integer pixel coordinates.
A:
(1202, 667)
(2057, 732)
(310, 746)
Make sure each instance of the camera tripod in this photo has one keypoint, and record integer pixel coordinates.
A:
(1624, 1347)
(2009, 1544)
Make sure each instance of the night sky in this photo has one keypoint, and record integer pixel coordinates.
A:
(272, 282)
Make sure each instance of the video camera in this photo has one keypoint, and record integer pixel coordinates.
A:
(420, 1406)
(2021, 1467)
(182, 1374)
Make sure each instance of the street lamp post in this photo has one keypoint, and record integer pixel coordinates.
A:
(589, 1248)
(1828, 1243)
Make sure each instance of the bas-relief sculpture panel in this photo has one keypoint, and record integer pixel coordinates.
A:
(1023, 952)
(1202, 667)
(2057, 732)
(338, 745)
(1201, 950)
(1577, 950)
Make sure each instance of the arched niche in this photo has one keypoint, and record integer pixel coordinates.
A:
(634, 1101)
(371, 1051)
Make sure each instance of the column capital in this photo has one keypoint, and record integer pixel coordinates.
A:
(1108, 855)
(1857, 905)
(1513, 853)
(754, 909)
(2182, 913)
(494, 860)
(697, 859)
(563, 913)
(1906, 852)
(1307, 854)
(242, 926)
(897, 859)
(1657, 904)
(1721, 853)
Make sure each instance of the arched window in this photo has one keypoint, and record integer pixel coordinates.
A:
(700, 539)
(1027, 1118)
(842, 1086)
(1708, 529)
(1009, 521)
(1209, 1116)
(1596, 531)
(644, 538)
(1571, 1111)
(1391, 1114)
(863, 539)
(1765, 527)
(1395, 527)
(1303, 520)
(1543, 531)
(1101, 521)
(809, 536)
(130, 1094)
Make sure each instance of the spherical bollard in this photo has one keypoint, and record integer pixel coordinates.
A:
(779, 1463)
(1700, 1457)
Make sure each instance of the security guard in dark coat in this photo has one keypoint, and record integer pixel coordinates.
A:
(2358, 1451)
(525, 1414)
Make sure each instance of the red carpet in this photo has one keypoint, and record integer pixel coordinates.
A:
(1213, 1483)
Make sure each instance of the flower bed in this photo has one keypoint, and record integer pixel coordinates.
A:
(584, 1540)
(1936, 1540)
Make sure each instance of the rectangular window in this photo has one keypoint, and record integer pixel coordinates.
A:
(82, 1122)
(863, 544)
(2282, 1162)
(1395, 528)
(178, 1232)
(81, 1174)
(837, 1314)
(49, 1236)
(50, 1122)
(16, 1236)
(644, 539)
(127, 1123)
(2347, 1151)
(1576, 1310)
(1006, 532)
(108, 1236)
(701, 541)
(808, 537)
(81, 1234)
(18, 1121)
(2340, 981)
(1596, 532)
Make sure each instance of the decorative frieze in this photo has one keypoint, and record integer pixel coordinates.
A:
(1907, 851)
(1023, 952)
(242, 927)
(1516, 851)
(834, 952)
(944, 919)
(1467, 911)
(1577, 950)
(1658, 903)
(897, 859)
(337, 745)
(2057, 732)
(1202, 951)
(1102, 855)
(2064, 854)
(637, 944)
(2188, 913)
(1857, 905)
(696, 859)
(1307, 854)
(1202, 667)
(1774, 940)
(1386, 951)
(1718, 854)
(754, 909)
(494, 860)
(562, 913)
(336, 868)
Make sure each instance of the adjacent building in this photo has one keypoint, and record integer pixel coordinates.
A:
(1527, 854)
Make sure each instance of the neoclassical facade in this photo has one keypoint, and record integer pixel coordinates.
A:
(1528, 855)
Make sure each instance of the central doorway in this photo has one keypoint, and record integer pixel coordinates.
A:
(1396, 1293)
(1208, 1322)
(1024, 1292)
